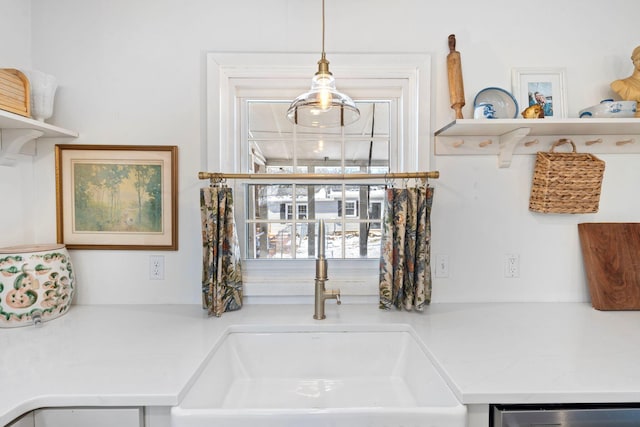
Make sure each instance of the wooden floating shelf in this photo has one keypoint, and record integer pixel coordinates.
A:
(506, 137)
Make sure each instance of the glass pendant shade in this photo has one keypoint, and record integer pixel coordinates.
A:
(323, 106)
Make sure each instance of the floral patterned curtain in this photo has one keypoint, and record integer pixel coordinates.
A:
(221, 268)
(405, 266)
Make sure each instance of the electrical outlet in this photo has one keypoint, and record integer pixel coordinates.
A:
(442, 265)
(156, 267)
(512, 265)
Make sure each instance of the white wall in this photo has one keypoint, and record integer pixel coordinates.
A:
(15, 52)
(132, 72)
(15, 33)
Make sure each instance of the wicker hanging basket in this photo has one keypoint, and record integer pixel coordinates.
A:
(566, 182)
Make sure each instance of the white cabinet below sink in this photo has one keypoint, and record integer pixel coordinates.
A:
(81, 417)
(24, 421)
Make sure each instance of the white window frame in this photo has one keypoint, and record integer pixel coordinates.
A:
(232, 77)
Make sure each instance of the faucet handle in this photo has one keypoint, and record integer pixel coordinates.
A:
(335, 294)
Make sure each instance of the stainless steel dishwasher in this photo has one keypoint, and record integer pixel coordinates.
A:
(571, 415)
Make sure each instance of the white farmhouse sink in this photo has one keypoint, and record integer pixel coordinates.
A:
(319, 378)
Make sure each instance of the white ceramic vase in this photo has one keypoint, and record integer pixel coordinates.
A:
(43, 90)
(36, 284)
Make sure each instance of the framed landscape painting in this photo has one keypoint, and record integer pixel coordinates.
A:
(116, 196)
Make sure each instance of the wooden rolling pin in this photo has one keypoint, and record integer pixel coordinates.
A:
(454, 71)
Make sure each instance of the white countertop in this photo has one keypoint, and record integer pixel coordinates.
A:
(131, 355)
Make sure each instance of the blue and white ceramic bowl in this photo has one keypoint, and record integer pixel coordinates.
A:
(608, 108)
(504, 104)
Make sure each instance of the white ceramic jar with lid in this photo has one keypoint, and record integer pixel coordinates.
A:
(36, 284)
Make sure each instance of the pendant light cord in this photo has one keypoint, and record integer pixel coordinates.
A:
(323, 106)
(323, 53)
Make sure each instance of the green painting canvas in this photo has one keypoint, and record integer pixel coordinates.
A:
(117, 198)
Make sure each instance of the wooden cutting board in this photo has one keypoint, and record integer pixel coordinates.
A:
(611, 254)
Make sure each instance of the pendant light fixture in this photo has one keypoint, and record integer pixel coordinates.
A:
(323, 106)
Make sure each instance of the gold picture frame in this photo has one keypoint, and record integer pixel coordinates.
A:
(117, 196)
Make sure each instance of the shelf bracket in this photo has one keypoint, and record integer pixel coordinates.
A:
(508, 142)
(12, 143)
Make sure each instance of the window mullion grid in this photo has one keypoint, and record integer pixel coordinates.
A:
(294, 220)
(296, 137)
(343, 217)
(294, 196)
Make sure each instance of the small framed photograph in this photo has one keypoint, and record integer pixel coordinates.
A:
(542, 86)
(117, 196)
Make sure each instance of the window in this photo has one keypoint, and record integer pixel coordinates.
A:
(350, 208)
(300, 207)
(375, 211)
(247, 131)
(274, 145)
